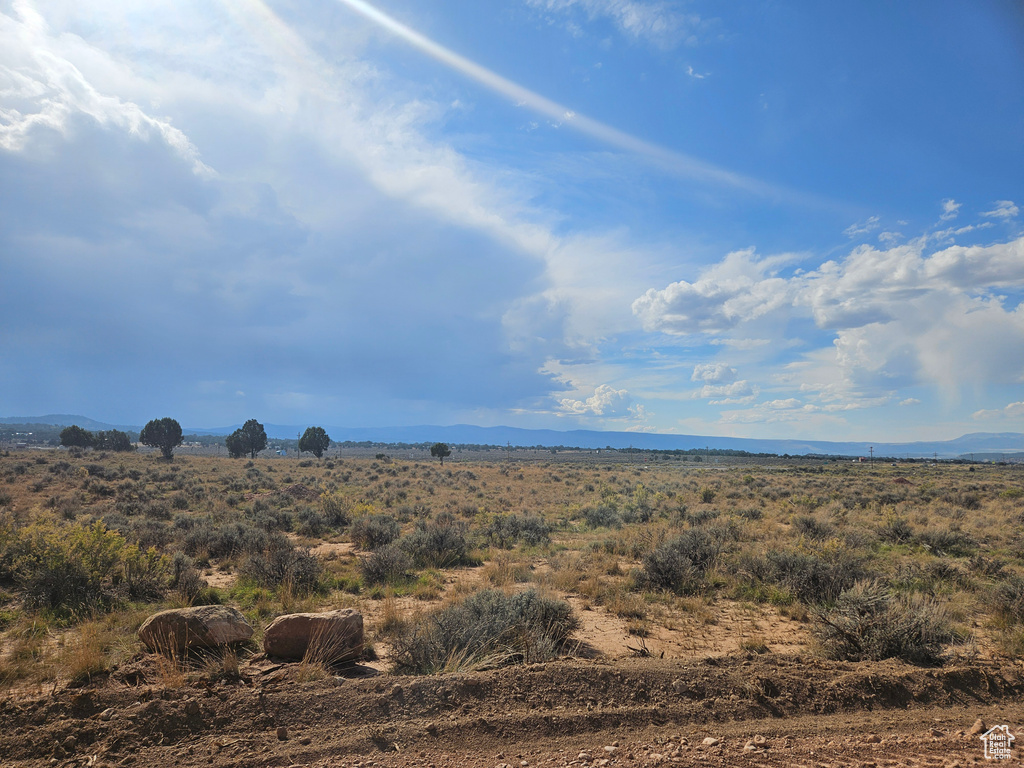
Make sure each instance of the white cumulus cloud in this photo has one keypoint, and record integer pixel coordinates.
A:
(606, 401)
(740, 288)
(1011, 411)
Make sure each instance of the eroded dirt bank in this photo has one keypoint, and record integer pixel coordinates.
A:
(760, 710)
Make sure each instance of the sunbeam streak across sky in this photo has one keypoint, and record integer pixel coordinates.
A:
(674, 162)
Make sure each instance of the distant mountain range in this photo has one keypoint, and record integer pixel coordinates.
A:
(461, 434)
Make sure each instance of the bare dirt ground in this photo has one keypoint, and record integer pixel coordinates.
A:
(738, 709)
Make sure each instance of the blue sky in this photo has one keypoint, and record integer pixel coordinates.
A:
(759, 219)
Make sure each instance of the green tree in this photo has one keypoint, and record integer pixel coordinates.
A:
(164, 434)
(314, 440)
(251, 438)
(114, 440)
(76, 437)
(440, 450)
(234, 443)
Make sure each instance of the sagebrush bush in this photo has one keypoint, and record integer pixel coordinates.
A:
(440, 543)
(1008, 600)
(602, 516)
(269, 518)
(489, 628)
(334, 509)
(680, 564)
(230, 540)
(944, 541)
(812, 528)
(505, 531)
(186, 580)
(868, 623)
(375, 531)
(285, 565)
(896, 530)
(387, 565)
(809, 577)
(311, 522)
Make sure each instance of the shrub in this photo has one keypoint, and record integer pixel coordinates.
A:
(311, 522)
(186, 581)
(375, 531)
(438, 544)
(1008, 600)
(285, 565)
(812, 528)
(269, 518)
(487, 629)
(144, 574)
(229, 540)
(335, 510)
(896, 530)
(811, 578)
(680, 565)
(73, 570)
(701, 516)
(947, 542)
(505, 531)
(867, 623)
(602, 516)
(387, 565)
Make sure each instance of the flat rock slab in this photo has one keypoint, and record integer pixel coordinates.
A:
(203, 626)
(329, 638)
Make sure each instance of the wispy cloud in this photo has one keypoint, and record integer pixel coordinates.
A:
(1005, 209)
(950, 207)
(657, 23)
(863, 227)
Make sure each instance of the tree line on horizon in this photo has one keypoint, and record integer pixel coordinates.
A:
(165, 434)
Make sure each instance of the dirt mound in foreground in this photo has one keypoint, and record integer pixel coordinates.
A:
(644, 711)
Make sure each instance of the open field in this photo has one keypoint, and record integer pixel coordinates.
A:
(816, 604)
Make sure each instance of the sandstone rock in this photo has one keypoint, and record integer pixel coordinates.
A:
(711, 741)
(329, 638)
(978, 727)
(204, 626)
